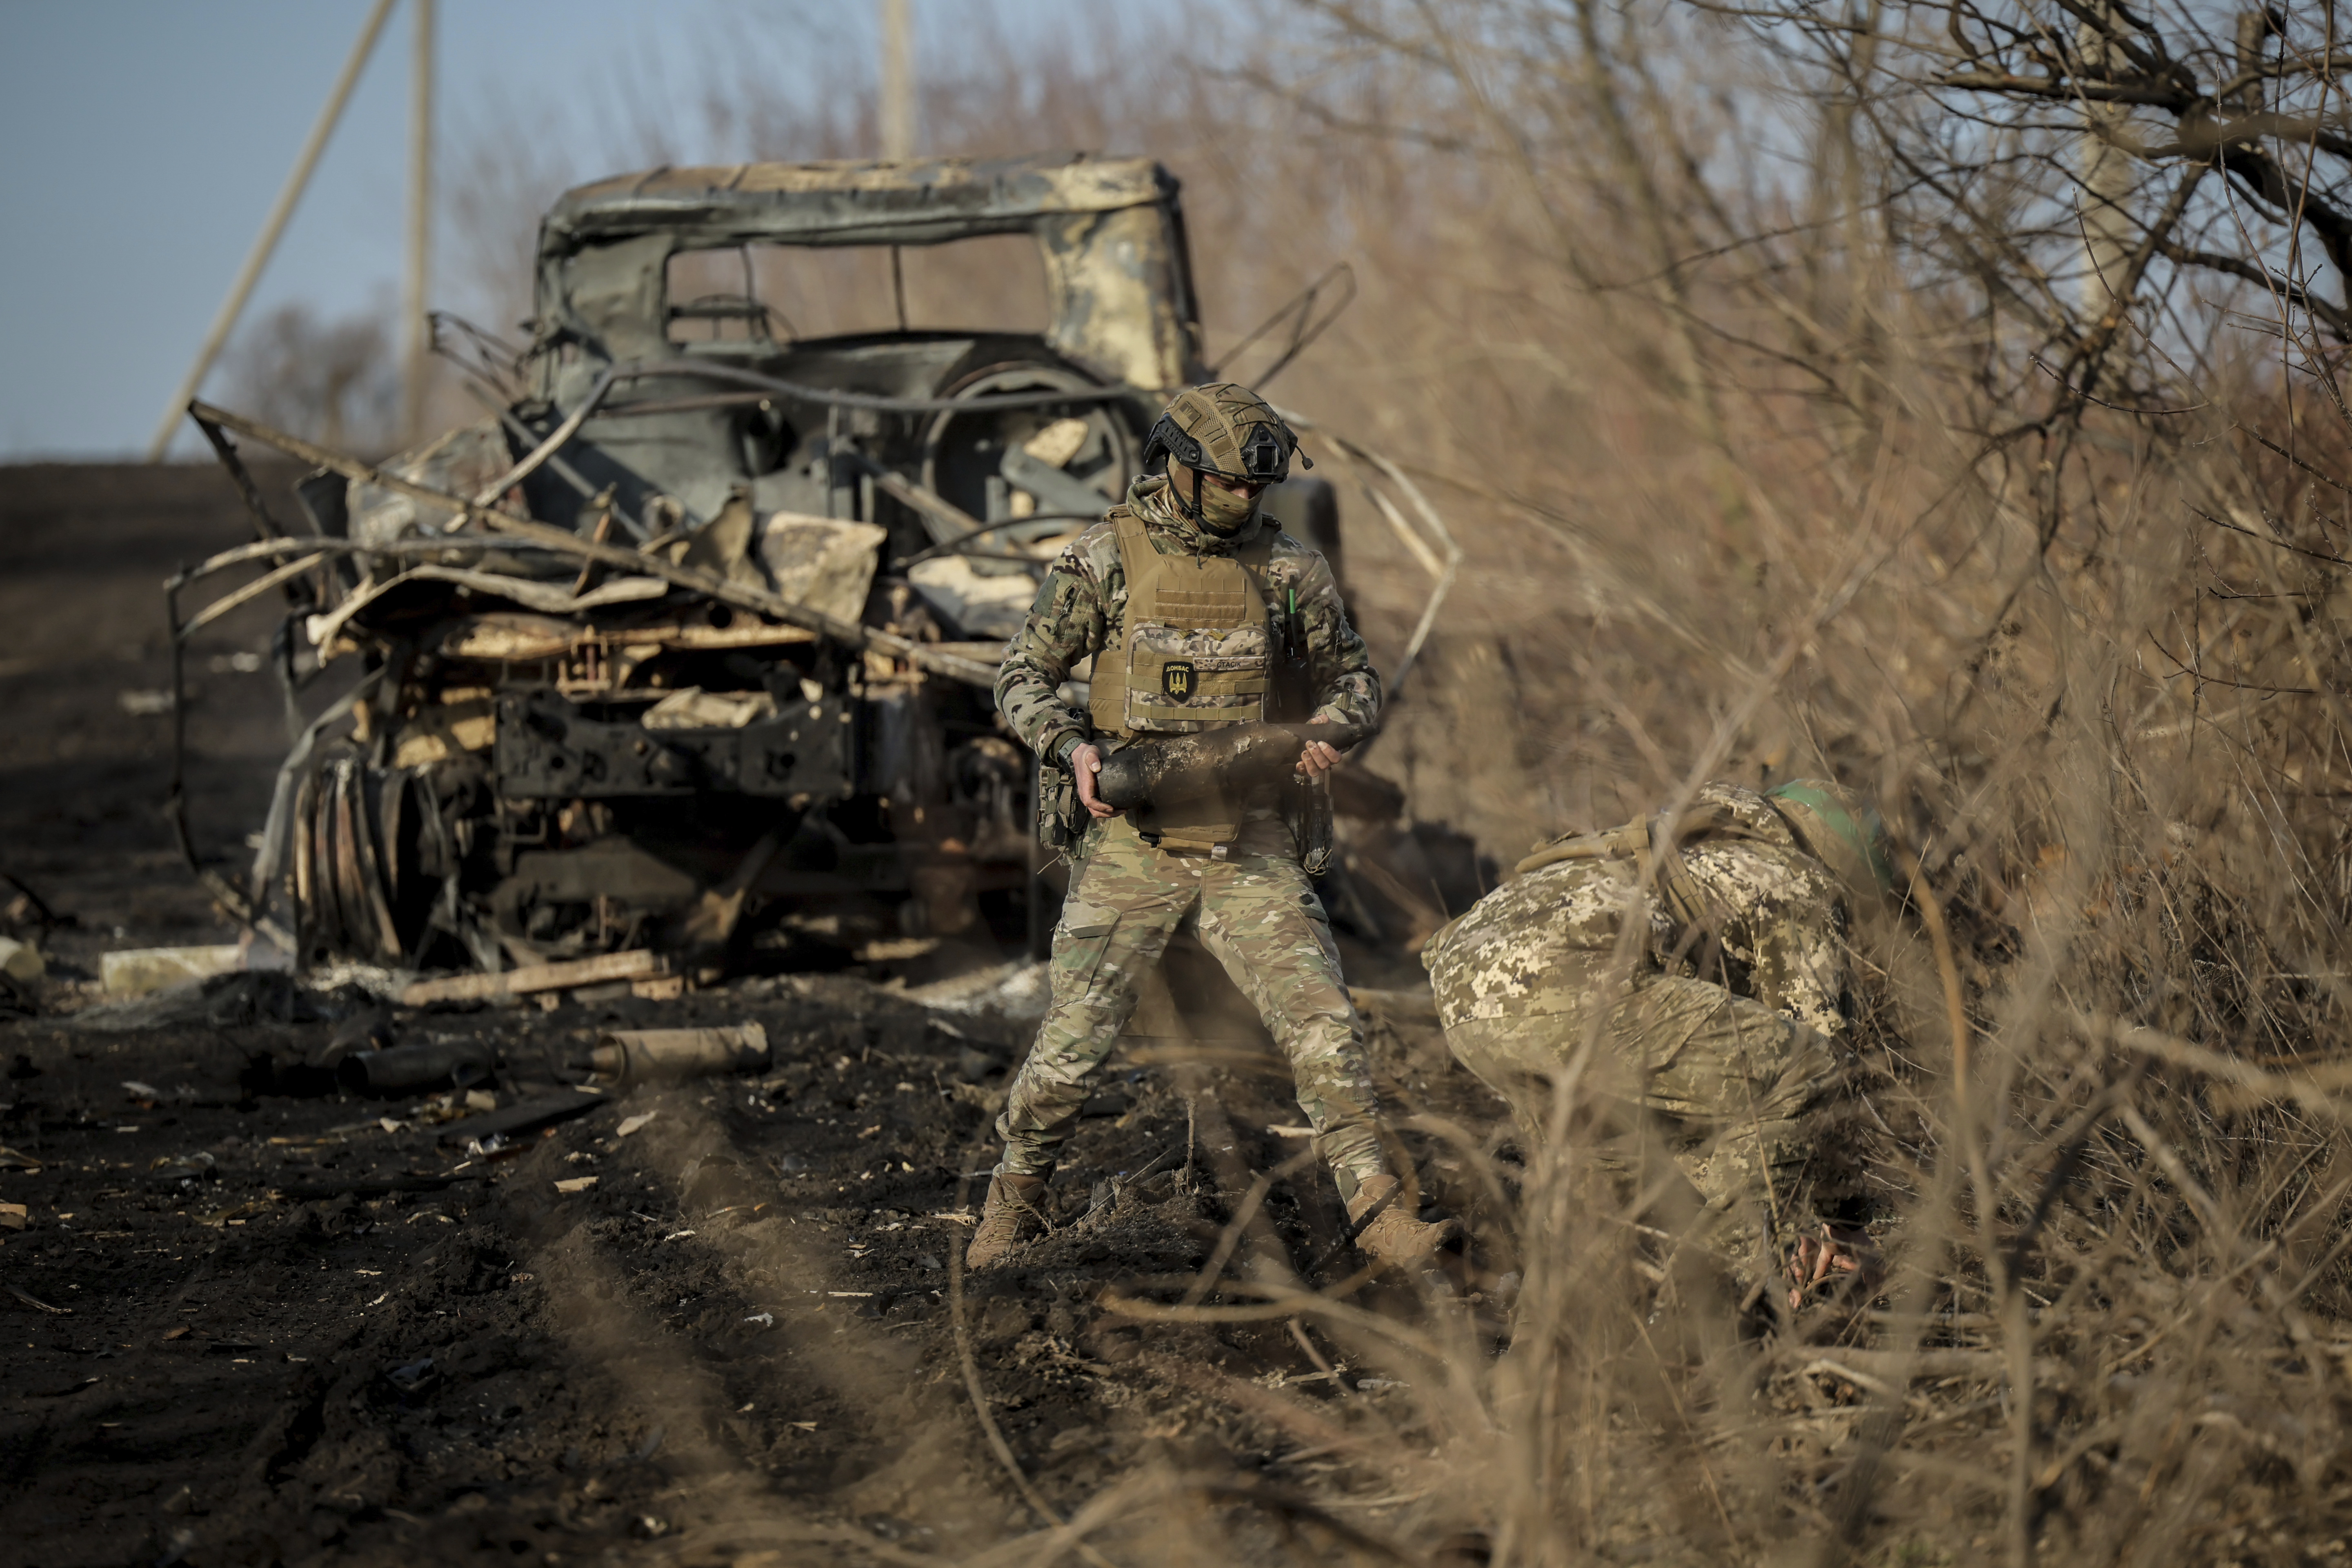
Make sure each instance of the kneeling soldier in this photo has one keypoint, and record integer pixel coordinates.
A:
(1725, 1018)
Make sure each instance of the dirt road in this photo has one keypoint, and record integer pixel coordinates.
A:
(263, 1321)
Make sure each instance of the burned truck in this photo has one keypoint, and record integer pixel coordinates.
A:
(697, 626)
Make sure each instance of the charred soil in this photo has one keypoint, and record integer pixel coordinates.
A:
(263, 1321)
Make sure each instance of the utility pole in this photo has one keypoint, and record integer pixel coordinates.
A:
(898, 107)
(2111, 177)
(417, 331)
(272, 226)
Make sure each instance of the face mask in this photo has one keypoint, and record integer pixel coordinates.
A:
(1224, 513)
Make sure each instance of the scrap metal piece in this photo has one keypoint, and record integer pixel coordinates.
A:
(636, 964)
(368, 858)
(637, 1055)
(528, 1116)
(556, 539)
(1108, 230)
(548, 747)
(407, 1069)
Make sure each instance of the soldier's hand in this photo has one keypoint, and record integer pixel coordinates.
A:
(1817, 1259)
(1085, 761)
(1319, 756)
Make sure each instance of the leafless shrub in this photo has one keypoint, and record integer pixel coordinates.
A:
(1921, 443)
(332, 381)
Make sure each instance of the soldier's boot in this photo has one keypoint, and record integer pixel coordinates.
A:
(1393, 1237)
(1010, 1213)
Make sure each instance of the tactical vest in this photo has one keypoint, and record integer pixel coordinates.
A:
(1195, 654)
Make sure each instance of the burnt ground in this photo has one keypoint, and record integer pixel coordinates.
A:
(262, 1321)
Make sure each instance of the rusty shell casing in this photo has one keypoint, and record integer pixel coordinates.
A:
(638, 1056)
(1185, 767)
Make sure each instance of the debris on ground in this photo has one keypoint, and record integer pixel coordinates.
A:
(775, 1239)
(641, 1055)
(143, 970)
(21, 960)
(533, 978)
(410, 1069)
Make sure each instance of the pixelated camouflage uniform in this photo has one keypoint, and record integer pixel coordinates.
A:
(1254, 910)
(1724, 1018)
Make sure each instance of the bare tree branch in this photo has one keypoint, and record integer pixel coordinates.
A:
(2237, 267)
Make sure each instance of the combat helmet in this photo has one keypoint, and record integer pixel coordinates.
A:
(1836, 828)
(1226, 430)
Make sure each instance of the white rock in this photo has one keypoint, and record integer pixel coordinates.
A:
(20, 960)
(141, 970)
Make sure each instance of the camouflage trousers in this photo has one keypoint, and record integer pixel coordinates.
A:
(1259, 915)
(1729, 1082)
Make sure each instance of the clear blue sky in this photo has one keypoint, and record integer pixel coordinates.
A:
(147, 138)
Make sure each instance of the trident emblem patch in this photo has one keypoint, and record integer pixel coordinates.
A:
(1176, 679)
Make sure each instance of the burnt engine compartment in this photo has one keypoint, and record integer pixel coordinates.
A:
(494, 812)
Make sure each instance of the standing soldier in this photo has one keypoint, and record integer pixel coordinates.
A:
(1194, 609)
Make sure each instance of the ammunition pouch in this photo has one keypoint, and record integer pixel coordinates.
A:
(1061, 816)
(1205, 825)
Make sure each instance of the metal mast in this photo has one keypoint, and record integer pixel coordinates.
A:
(898, 107)
(417, 331)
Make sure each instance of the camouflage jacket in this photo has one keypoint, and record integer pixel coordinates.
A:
(1771, 927)
(1081, 610)
(1780, 913)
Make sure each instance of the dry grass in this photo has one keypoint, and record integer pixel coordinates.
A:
(1769, 513)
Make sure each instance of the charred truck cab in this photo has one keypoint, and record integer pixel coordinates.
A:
(873, 400)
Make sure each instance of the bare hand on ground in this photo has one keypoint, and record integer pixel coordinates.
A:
(1085, 761)
(1816, 1257)
(1319, 757)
